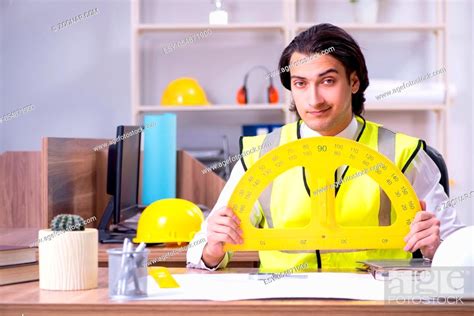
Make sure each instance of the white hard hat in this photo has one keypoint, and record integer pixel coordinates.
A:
(457, 250)
(456, 254)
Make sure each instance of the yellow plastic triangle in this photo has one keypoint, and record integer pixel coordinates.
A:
(321, 156)
(163, 277)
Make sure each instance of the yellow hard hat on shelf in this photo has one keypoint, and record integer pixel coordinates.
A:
(169, 221)
(184, 91)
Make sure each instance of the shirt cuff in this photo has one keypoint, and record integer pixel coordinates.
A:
(201, 265)
(221, 264)
(194, 258)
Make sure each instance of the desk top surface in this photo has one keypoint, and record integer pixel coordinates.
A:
(26, 236)
(28, 298)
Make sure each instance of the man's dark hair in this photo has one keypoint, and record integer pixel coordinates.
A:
(322, 37)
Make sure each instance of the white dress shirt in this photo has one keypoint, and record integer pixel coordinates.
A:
(423, 174)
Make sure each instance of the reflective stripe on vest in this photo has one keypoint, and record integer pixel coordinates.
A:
(386, 146)
(270, 142)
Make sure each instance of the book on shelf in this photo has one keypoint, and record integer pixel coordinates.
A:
(10, 255)
(18, 273)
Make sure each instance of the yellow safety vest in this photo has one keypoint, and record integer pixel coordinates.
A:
(359, 202)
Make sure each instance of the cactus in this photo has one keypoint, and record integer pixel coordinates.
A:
(67, 222)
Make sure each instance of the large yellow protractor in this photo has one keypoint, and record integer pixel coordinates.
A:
(321, 156)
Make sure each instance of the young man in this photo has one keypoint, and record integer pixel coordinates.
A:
(328, 95)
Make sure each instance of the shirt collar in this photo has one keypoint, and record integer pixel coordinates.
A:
(349, 132)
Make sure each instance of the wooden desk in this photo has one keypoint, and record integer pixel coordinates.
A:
(239, 259)
(26, 236)
(28, 299)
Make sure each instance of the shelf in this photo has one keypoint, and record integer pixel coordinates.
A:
(382, 27)
(141, 28)
(281, 107)
(404, 107)
(211, 108)
(281, 27)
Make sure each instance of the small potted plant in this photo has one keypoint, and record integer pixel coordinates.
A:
(365, 11)
(68, 254)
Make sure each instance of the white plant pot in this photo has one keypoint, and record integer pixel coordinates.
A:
(68, 260)
(365, 11)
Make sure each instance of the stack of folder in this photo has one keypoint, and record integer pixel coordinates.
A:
(18, 264)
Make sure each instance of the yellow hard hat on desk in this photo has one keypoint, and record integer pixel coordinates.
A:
(169, 221)
(184, 91)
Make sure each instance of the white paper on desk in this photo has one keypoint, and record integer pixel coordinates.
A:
(238, 286)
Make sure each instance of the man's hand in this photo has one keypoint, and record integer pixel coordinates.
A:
(424, 233)
(222, 227)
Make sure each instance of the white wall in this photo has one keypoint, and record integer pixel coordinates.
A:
(471, 176)
(2, 73)
(460, 53)
(78, 78)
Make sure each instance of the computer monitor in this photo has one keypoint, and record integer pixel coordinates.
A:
(128, 172)
(123, 176)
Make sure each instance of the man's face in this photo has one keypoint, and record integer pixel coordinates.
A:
(322, 93)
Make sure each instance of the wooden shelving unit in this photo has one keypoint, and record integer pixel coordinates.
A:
(290, 26)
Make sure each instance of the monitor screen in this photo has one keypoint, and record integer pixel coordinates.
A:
(127, 171)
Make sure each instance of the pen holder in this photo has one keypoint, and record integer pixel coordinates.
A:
(128, 273)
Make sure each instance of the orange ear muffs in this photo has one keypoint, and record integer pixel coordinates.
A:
(242, 95)
(272, 92)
